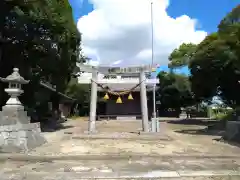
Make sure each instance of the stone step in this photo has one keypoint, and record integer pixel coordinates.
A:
(127, 165)
(180, 168)
(158, 175)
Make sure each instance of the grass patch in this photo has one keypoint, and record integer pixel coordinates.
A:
(78, 118)
(222, 119)
(228, 115)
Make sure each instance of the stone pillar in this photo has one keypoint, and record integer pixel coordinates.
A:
(143, 96)
(158, 125)
(154, 124)
(93, 104)
(154, 115)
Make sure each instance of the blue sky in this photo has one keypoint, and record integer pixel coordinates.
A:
(207, 12)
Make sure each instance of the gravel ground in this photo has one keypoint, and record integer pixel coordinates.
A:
(178, 148)
(121, 137)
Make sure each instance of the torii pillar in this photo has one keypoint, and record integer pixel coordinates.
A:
(143, 96)
(93, 104)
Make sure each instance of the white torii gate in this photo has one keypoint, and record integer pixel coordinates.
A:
(96, 75)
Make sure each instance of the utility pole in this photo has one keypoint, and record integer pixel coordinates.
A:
(154, 85)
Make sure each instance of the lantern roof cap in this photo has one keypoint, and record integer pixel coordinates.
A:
(15, 77)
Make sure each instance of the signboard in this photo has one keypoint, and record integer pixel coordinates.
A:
(122, 70)
(115, 70)
(158, 102)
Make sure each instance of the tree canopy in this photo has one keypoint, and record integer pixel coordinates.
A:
(182, 55)
(215, 62)
(174, 91)
(41, 39)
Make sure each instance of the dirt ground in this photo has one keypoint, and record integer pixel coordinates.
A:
(180, 151)
(121, 137)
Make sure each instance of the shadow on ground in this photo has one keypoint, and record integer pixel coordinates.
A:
(204, 131)
(53, 128)
(203, 122)
(210, 128)
(234, 142)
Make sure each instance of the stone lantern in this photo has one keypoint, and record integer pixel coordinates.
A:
(14, 90)
(16, 131)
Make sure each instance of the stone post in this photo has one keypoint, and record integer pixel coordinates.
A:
(93, 104)
(158, 125)
(154, 124)
(143, 96)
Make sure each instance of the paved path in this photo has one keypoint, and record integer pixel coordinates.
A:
(161, 167)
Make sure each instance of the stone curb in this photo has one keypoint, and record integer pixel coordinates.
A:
(152, 175)
(100, 157)
(208, 173)
(91, 137)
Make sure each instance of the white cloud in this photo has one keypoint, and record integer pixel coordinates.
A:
(119, 32)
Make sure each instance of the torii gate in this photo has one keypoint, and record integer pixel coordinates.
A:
(142, 80)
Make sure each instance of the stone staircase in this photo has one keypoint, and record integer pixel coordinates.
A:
(180, 168)
(224, 175)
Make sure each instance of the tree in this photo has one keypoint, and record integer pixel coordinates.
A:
(205, 67)
(217, 60)
(175, 91)
(43, 41)
(80, 92)
(181, 56)
(231, 19)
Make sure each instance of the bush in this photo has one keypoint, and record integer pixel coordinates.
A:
(226, 116)
(220, 116)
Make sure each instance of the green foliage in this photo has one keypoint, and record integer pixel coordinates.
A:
(80, 92)
(217, 59)
(174, 91)
(220, 113)
(224, 115)
(221, 116)
(74, 117)
(214, 63)
(205, 67)
(42, 40)
(231, 19)
(181, 56)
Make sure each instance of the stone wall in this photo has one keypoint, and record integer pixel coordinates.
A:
(13, 115)
(233, 130)
(20, 137)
